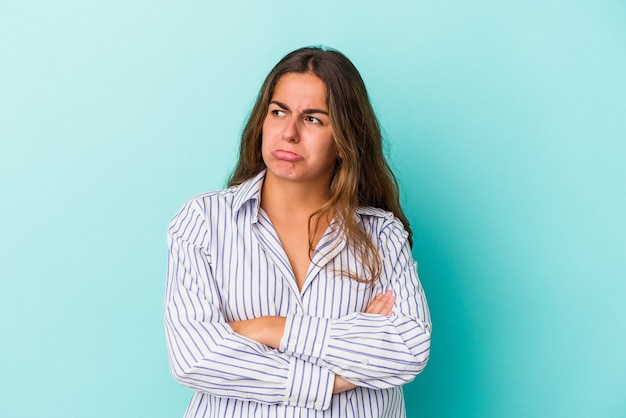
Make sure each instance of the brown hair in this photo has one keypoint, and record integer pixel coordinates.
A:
(362, 176)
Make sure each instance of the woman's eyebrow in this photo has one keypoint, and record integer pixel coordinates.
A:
(305, 111)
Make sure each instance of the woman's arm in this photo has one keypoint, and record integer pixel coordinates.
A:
(376, 348)
(369, 350)
(205, 353)
(269, 330)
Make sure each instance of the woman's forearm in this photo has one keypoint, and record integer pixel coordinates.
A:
(266, 330)
(269, 330)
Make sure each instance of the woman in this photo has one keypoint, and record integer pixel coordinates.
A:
(294, 292)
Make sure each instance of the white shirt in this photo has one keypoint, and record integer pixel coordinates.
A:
(226, 263)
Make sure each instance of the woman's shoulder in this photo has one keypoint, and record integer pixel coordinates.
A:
(378, 219)
(385, 229)
(223, 198)
(215, 195)
(204, 213)
(221, 202)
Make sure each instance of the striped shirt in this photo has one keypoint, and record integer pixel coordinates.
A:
(226, 263)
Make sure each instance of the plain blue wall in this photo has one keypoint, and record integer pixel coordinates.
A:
(505, 124)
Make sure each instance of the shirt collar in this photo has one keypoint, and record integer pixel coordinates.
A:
(249, 191)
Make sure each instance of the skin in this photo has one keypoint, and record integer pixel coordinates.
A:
(298, 147)
(299, 151)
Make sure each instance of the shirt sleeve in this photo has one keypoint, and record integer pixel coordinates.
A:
(205, 353)
(368, 350)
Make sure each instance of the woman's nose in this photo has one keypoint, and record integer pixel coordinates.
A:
(291, 133)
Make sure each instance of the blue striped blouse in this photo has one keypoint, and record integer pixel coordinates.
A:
(226, 263)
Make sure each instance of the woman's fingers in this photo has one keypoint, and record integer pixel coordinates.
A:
(382, 304)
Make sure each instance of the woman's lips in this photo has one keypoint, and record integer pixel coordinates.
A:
(286, 155)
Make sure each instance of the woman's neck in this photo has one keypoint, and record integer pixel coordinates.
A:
(283, 197)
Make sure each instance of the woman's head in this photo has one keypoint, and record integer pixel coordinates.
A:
(356, 130)
(361, 176)
(298, 142)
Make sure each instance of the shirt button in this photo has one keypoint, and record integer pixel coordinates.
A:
(365, 362)
(318, 404)
(292, 399)
(318, 346)
(293, 341)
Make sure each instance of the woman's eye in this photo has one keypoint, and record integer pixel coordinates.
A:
(313, 119)
(278, 112)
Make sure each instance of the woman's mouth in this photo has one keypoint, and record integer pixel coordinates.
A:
(286, 155)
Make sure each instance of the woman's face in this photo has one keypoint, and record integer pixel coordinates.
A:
(297, 138)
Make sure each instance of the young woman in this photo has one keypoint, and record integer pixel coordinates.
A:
(293, 292)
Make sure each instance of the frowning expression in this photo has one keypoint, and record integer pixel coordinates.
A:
(297, 138)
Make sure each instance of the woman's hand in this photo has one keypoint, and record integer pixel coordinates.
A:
(267, 330)
(382, 304)
(342, 385)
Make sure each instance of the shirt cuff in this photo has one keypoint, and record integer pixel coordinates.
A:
(306, 335)
(309, 386)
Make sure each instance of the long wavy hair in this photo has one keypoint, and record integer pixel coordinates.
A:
(362, 176)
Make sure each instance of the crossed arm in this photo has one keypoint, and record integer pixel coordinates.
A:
(269, 330)
(267, 359)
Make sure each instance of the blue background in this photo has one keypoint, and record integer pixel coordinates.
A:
(505, 124)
